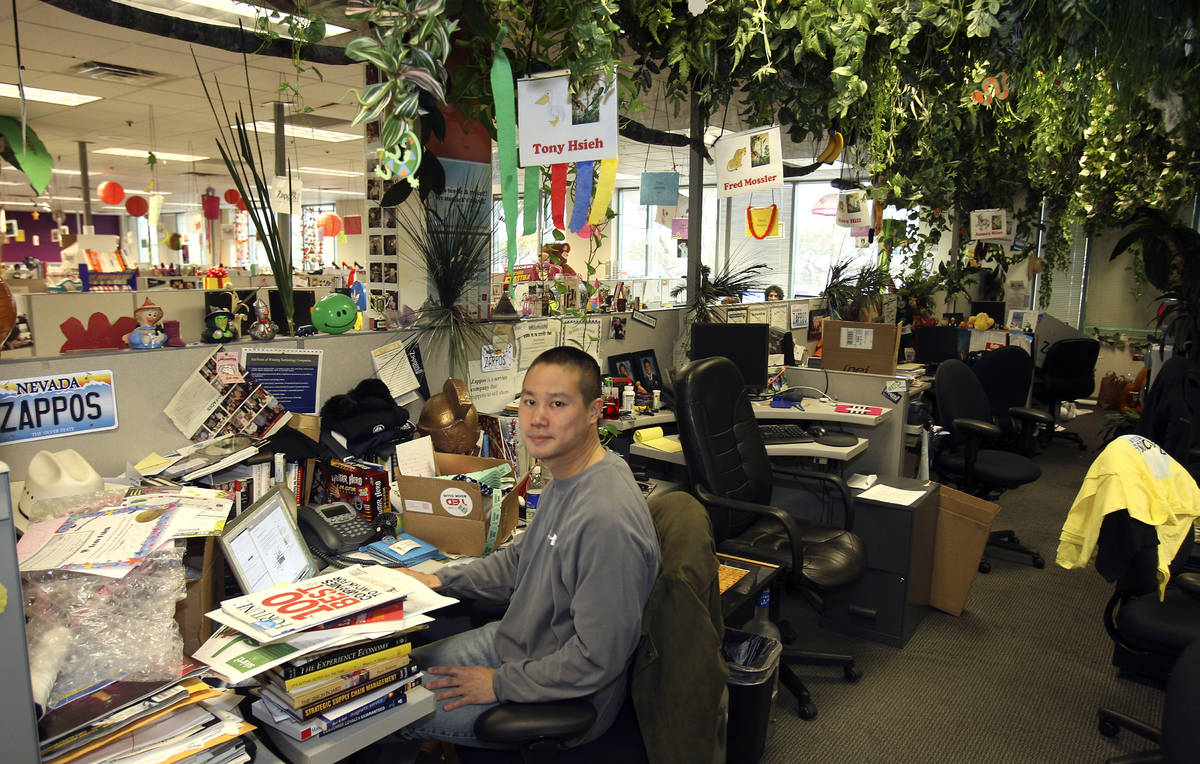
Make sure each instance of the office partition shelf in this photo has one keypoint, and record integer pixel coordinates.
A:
(641, 420)
(810, 450)
(823, 412)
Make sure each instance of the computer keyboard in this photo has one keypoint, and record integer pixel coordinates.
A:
(783, 433)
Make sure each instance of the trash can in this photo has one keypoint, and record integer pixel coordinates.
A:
(753, 665)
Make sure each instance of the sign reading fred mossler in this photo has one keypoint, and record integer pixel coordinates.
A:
(53, 406)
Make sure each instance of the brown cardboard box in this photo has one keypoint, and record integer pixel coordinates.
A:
(964, 522)
(862, 347)
(306, 424)
(450, 514)
(201, 595)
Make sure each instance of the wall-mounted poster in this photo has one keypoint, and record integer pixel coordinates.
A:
(749, 161)
(557, 126)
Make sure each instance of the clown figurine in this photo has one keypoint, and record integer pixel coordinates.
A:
(148, 334)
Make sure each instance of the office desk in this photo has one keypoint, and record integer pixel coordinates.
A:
(745, 592)
(811, 450)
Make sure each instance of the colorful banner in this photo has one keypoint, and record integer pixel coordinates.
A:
(558, 126)
(558, 195)
(506, 143)
(749, 161)
(583, 196)
(35, 408)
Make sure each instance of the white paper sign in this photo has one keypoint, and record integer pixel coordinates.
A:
(494, 358)
(556, 126)
(799, 315)
(749, 161)
(852, 209)
(280, 186)
(989, 225)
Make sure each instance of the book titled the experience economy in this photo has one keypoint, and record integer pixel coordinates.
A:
(288, 609)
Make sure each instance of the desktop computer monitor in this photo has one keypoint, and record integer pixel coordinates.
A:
(994, 308)
(744, 344)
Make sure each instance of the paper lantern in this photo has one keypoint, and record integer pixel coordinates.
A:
(212, 206)
(174, 242)
(110, 192)
(241, 205)
(331, 224)
(137, 206)
(232, 196)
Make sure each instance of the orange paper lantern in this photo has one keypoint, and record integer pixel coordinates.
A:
(232, 196)
(110, 192)
(137, 206)
(331, 224)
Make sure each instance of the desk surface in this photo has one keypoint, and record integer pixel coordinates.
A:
(760, 576)
(812, 450)
(811, 409)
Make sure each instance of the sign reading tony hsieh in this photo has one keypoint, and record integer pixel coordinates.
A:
(57, 405)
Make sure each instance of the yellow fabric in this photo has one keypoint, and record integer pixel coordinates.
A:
(1134, 474)
(605, 184)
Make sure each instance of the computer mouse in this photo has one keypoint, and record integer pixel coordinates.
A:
(793, 394)
(815, 431)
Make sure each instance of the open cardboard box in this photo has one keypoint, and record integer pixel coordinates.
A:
(963, 524)
(452, 514)
(858, 346)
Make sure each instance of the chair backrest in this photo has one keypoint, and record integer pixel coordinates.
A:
(682, 631)
(1171, 409)
(721, 442)
(1069, 368)
(1006, 375)
(959, 395)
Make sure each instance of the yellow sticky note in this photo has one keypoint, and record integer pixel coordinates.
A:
(152, 464)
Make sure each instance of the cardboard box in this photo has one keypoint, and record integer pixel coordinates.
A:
(861, 347)
(963, 524)
(201, 594)
(451, 514)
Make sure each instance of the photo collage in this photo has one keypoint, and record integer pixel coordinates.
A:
(383, 253)
(246, 408)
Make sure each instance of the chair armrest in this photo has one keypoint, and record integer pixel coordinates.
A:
(1033, 415)
(825, 477)
(525, 723)
(789, 523)
(1188, 583)
(977, 427)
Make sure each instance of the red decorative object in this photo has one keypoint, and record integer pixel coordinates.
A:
(232, 196)
(110, 192)
(770, 222)
(99, 334)
(353, 224)
(212, 206)
(241, 204)
(137, 206)
(218, 272)
(331, 224)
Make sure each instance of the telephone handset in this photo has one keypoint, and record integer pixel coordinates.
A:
(334, 528)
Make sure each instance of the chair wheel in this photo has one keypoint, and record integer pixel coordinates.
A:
(851, 674)
(985, 566)
(1108, 729)
(1038, 562)
(808, 712)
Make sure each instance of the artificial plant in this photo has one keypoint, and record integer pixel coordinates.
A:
(244, 161)
(731, 282)
(854, 295)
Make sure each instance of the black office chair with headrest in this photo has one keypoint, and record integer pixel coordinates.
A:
(1068, 372)
(1179, 736)
(1006, 375)
(964, 461)
(732, 475)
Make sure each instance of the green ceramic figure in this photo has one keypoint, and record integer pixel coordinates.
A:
(334, 313)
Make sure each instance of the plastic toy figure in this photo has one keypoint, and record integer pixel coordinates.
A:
(263, 327)
(148, 334)
(218, 326)
(335, 313)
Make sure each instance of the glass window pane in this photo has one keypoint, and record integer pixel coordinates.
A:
(774, 251)
(820, 242)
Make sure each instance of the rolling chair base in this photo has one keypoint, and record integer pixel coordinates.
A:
(807, 710)
(1112, 722)
(1008, 540)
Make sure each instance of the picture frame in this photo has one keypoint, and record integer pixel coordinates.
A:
(649, 373)
(622, 365)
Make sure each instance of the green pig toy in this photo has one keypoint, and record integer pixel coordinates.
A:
(334, 313)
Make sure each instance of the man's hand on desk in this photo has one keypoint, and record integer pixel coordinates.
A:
(472, 685)
(429, 579)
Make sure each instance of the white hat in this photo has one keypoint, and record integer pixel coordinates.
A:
(54, 474)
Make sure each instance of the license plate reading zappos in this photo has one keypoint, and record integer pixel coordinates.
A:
(57, 405)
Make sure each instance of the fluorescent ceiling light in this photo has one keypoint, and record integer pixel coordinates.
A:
(11, 183)
(297, 131)
(17, 204)
(334, 173)
(60, 97)
(142, 153)
(320, 191)
(57, 171)
(229, 7)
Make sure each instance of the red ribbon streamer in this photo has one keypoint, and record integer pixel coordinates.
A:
(558, 194)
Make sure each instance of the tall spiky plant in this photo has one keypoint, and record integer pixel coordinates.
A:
(733, 280)
(245, 164)
(453, 247)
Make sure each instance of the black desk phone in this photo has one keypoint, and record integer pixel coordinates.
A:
(335, 528)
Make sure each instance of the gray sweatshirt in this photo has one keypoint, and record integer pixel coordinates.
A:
(577, 581)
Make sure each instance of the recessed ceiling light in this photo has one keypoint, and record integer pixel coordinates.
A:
(142, 153)
(320, 191)
(335, 173)
(60, 97)
(297, 131)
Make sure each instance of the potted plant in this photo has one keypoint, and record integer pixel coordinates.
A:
(855, 295)
(731, 282)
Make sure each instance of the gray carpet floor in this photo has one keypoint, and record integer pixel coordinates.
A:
(1016, 678)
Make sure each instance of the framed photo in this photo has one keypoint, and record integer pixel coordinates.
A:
(622, 366)
(647, 370)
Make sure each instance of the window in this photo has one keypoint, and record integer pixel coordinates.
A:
(527, 246)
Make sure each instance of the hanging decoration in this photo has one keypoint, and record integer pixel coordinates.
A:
(504, 98)
(533, 186)
(605, 184)
(211, 204)
(137, 206)
(583, 196)
(400, 161)
(659, 189)
(309, 246)
(155, 209)
(558, 125)
(110, 192)
(762, 222)
(751, 160)
(232, 196)
(330, 223)
(991, 88)
(558, 195)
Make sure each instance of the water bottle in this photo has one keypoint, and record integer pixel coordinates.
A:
(533, 492)
(762, 625)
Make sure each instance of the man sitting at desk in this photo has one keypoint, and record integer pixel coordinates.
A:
(576, 581)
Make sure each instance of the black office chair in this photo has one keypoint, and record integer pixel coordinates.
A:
(1068, 372)
(964, 412)
(732, 475)
(682, 633)
(1006, 375)
(1179, 736)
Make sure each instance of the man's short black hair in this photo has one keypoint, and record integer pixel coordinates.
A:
(574, 358)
